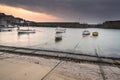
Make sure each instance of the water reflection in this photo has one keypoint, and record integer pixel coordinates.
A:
(85, 36)
(24, 36)
(72, 40)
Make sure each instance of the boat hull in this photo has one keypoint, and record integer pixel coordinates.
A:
(95, 33)
(60, 30)
(26, 31)
(86, 32)
(5, 29)
(58, 37)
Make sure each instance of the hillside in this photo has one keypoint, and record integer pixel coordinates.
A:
(22, 22)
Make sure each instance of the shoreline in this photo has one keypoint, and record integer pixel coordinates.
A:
(60, 55)
(25, 67)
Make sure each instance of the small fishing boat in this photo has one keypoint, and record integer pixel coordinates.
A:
(95, 33)
(4, 28)
(25, 31)
(60, 30)
(58, 37)
(86, 32)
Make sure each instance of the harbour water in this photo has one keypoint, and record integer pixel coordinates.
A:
(106, 44)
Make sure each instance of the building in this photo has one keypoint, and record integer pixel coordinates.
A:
(3, 23)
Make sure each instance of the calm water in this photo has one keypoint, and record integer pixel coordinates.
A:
(106, 44)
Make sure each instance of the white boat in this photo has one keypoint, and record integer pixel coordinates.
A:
(58, 37)
(26, 31)
(86, 32)
(60, 30)
(5, 29)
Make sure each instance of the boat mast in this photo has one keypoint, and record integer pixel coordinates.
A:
(28, 25)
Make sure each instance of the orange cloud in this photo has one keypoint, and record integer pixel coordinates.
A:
(26, 14)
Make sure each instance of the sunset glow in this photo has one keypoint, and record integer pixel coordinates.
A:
(26, 14)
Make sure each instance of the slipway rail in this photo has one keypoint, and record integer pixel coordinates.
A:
(69, 56)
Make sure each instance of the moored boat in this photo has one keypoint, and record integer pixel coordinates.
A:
(26, 31)
(95, 33)
(86, 32)
(60, 30)
(58, 37)
(5, 29)
(22, 31)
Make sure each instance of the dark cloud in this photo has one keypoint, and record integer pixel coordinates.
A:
(91, 11)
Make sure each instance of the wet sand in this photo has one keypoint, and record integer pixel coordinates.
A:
(20, 67)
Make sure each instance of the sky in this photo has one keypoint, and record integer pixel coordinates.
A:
(83, 11)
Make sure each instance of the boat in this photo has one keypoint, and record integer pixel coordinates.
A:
(25, 31)
(20, 31)
(95, 33)
(60, 30)
(4, 29)
(58, 37)
(86, 32)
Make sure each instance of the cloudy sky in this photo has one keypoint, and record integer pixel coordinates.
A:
(84, 11)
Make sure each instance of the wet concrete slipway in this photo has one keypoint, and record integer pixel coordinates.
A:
(31, 64)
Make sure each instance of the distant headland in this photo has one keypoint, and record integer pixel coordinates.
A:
(10, 19)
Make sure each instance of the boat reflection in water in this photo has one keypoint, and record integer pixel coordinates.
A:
(58, 35)
(22, 33)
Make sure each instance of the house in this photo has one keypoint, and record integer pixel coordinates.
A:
(3, 23)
